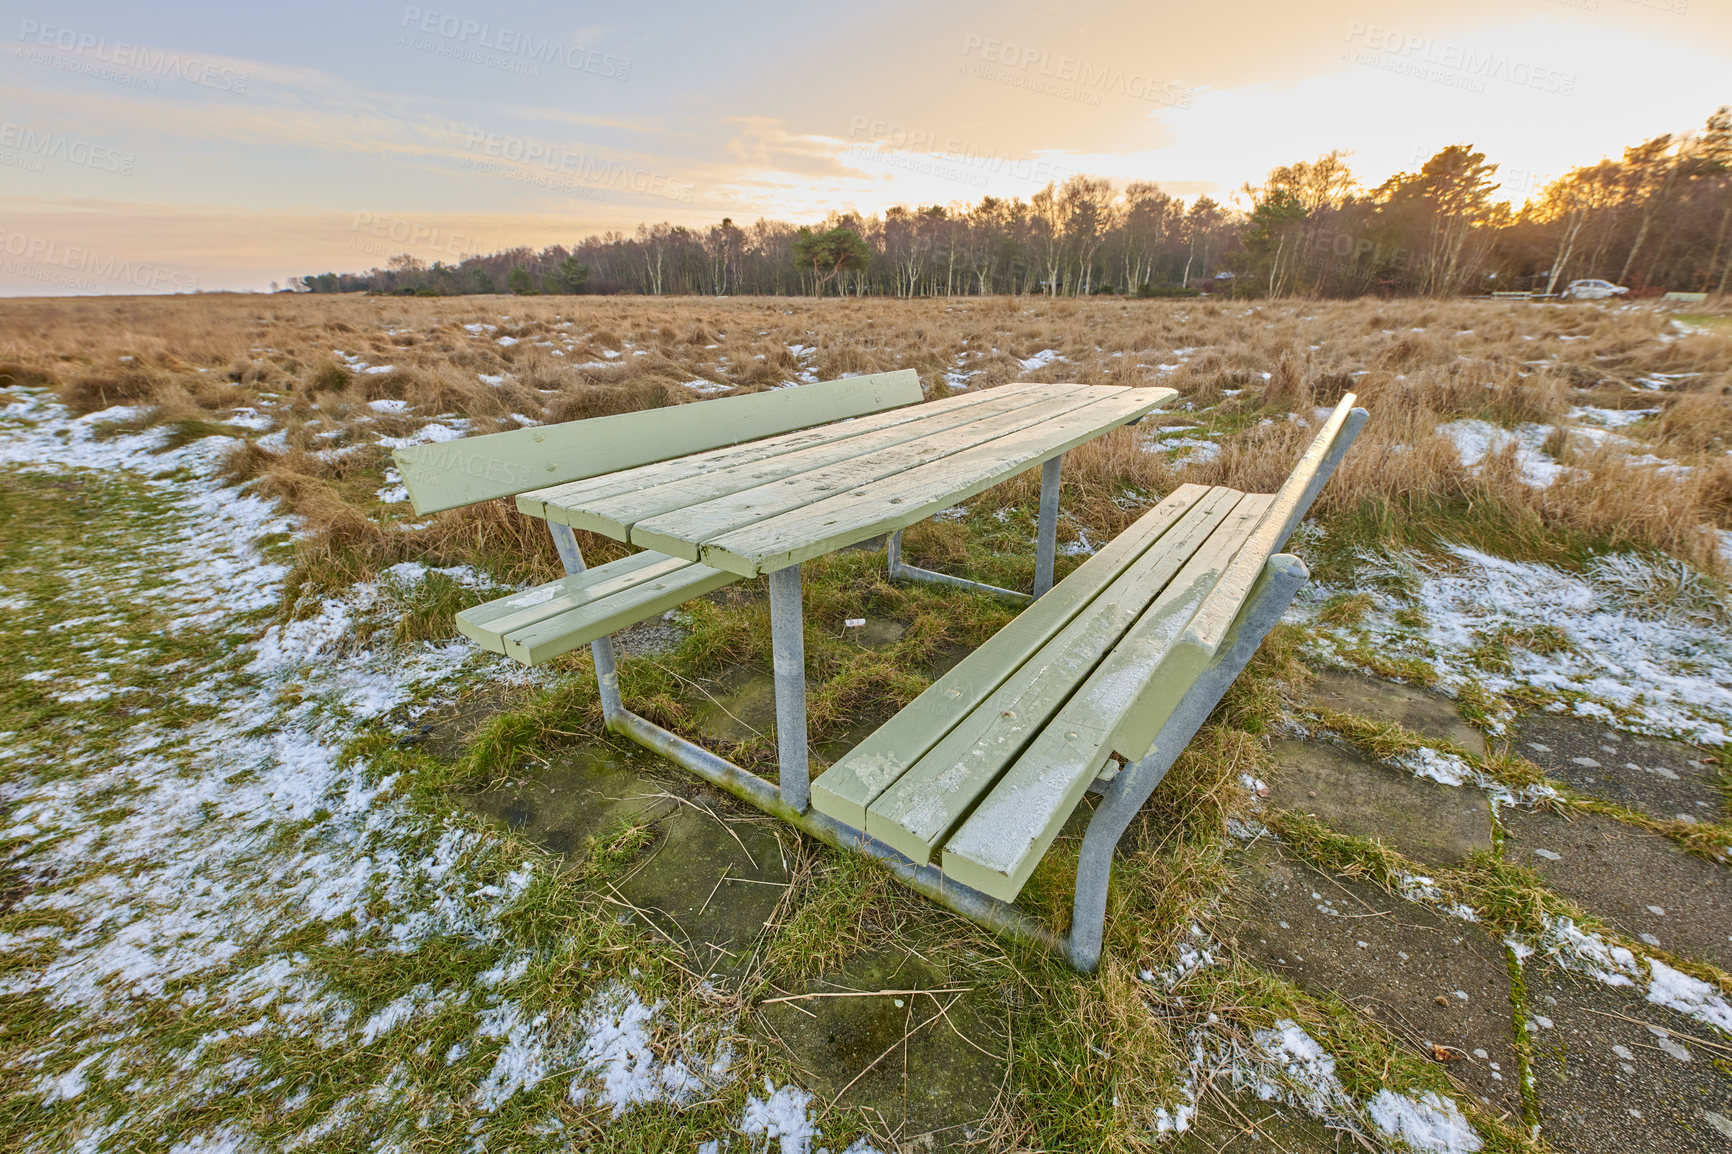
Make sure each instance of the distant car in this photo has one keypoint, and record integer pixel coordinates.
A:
(1592, 290)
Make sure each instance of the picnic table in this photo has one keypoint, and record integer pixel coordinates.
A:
(765, 507)
(1133, 648)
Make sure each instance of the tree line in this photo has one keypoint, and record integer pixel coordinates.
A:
(1657, 218)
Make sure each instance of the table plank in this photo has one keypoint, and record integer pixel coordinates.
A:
(682, 530)
(693, 464)
(1145, 675)
(616, 515)
(916, 494)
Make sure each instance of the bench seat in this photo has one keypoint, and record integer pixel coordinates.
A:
(539, 624)
(979, 773)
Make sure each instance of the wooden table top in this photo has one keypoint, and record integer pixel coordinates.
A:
(763, 505)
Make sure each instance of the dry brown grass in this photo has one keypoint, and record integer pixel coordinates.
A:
(1414, 363)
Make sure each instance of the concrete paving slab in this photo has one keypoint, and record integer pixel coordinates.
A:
(924, 1076)
(1429, 714)
(1429, 822)
(1665, 779)
(1615, 1072)
(1639, 882)
(1429, 979)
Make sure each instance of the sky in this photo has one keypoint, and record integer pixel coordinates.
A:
(175, 147)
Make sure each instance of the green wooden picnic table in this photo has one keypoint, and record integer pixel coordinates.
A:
(1096, 687)
(766, 506)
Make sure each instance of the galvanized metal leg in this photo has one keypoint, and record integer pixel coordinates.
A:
(1046, 537)
(601, 649)
(788, 649)
(1127, 793)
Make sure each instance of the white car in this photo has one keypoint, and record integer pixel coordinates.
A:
(1592, 290)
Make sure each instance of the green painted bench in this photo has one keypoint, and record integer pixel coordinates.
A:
(588, 605)
(1102, 682)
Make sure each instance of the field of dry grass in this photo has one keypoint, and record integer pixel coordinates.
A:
(1594, 441)
(290, 368)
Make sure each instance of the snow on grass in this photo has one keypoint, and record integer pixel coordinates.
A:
(1430, 1124)
(1475, 440)
(1609, 418)
(185, 866)
(430, 434)
(958, 377)
(1195, 450)
(780, 1115)
(617, 1054)
(1040, 360)
(1452, 769)
(1641, 670)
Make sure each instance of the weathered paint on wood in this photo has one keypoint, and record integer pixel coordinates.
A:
(539, 624)
(917, 812)
(1144, 677)
(461, 472)
(697, 464)
(682, 531)
(1222, 606)
(801, 471)
(861, 775)
(916, 494)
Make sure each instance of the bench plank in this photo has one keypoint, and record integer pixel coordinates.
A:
(471, 469)
(539, 624)
(1145, 676)
(864, 772)
(895, 503)
(682, 530)
(805, 469)
(548, 502)
(916, 813)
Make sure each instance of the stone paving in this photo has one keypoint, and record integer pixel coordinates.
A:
(1638, 882)
(1431, 823)
(1436, 981)
(1660, 778)
(1610, 1070)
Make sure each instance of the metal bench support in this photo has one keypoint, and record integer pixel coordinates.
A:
(788, 652)
(1129, 791)
(606, 674)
